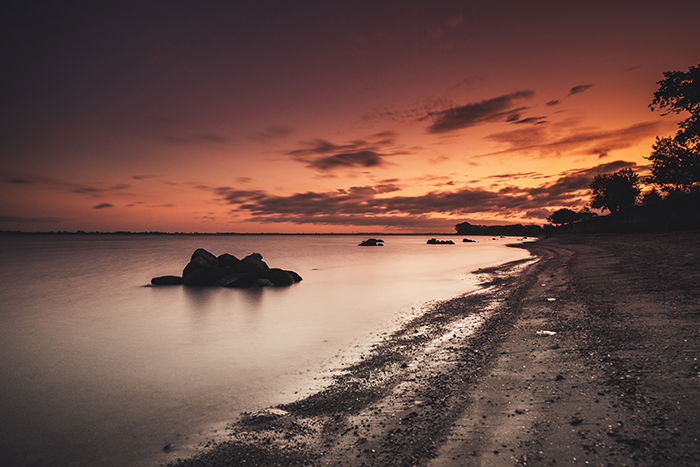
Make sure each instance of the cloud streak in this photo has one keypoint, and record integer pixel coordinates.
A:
(499, 108)
(325, 156)
(588, 142)
(373, 202)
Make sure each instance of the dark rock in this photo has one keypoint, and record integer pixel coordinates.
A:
(435, 241)
(295, 276)
(372, 242)
(228, 271)
(167, 280)
(238, 280)
(279, 277)
(253, 264)
(227, 261)
(203, 269)
(263, 282)
(467, 240)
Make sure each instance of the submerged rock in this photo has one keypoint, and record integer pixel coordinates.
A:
(205, 269)
(372, 242)
(435, 241)
(468, 240)
(167, 280)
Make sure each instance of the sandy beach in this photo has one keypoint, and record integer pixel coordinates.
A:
(588, 354)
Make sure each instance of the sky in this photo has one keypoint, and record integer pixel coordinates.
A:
(383, 116)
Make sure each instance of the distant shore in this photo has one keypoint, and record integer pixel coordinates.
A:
(586, 355)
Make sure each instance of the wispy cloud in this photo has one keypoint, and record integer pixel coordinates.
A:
(501, 108)
(579, 141)
(103, 206)
(579, 89)
(324, 156)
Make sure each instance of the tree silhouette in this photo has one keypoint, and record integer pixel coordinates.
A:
(564, 216)
(615, 192)
(680, 92)
(675, 165)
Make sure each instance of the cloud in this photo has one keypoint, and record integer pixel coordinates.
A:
(29, 220)
(348, 159)
(87, 190)
(499, 108)
(553, 102)
(272, 132)
(579, 89)
(587, 142)
(198, 138)
(102, 206)
(143, 177)
(19, 181)
(120, 186)
(379, 205)
(325, 156)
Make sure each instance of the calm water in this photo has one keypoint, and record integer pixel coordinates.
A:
(96, 369)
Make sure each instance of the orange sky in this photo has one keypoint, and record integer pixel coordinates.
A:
(274, 117)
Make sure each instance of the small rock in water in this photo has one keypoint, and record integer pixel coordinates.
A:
(168, 447)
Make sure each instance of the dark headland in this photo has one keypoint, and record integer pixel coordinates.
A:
(587, 355)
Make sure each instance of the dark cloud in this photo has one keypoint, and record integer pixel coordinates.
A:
(87, 190)
(534, 120)
(29, 220)
(349, 206)
(198, 138)
(538, 213)
(499, 108)
(348, 159)
(553, 102)
(587, 142)
(19, 181)
(516, 175)
(102, 206)
(579, 89)
(272, 132)
(120, 186)
(324, 156)
(142, 177)
(244, 179)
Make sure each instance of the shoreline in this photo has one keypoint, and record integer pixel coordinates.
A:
(507, 376)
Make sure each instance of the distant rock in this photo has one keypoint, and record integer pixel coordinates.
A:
(468, 240)
(205, 269)
(167, 280)
(435, 241)
(372, 242)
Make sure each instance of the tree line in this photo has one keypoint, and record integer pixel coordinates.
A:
(673, 188)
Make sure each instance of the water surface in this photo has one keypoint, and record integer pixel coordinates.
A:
(96, 369)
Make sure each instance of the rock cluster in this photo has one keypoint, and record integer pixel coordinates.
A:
(435, 241)
(372, 242)
(205, 269)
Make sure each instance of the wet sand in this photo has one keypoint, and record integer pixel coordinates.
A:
(586, 355)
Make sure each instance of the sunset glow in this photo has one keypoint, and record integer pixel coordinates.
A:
(280, 117)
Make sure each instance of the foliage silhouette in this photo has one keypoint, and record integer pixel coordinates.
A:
(674, 165)
(564, 216)
(680, 92)
(615, 192)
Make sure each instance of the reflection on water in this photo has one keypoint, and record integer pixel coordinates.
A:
(96, 369)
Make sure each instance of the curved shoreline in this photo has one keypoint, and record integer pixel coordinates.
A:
(557, 364)
(296, 433)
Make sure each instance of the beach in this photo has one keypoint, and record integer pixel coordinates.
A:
(585, 354)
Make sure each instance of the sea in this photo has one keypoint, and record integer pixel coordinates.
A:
(98, 368)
